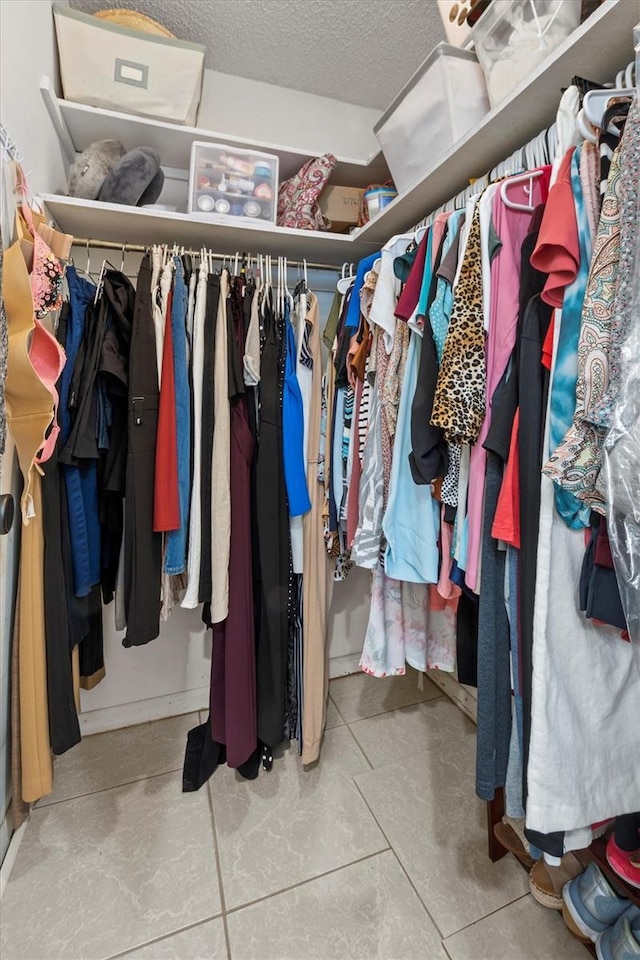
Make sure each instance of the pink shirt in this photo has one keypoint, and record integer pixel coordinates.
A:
(511, 227)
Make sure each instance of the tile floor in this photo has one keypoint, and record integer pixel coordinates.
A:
(377, 852)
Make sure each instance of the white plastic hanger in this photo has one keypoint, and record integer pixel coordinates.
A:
(346, 279)
(583, 127)
(526, 178)
(287, 292)
(595, 103)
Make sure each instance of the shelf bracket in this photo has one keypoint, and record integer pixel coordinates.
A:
(59, 125)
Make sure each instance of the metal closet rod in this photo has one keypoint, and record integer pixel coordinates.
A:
(142, 248)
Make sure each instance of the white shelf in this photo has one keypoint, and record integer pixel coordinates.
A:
(122, 224)
(600, 47)
(79, 125)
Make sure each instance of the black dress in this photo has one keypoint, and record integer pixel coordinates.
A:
(272, 525)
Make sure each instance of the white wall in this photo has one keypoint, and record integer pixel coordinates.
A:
(301, 121)
(27, 49)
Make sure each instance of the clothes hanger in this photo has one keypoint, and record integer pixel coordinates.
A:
(286, 288)
(630, 75)
(122, 259)
(596, 102)
(345, 280)
(526, 178)
(100, 284)
(583, 129)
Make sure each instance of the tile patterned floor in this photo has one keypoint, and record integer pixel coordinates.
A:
(376, 852)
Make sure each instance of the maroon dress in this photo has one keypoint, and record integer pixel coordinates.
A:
(233, 663)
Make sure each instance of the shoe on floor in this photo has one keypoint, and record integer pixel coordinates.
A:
(624, 863)
(622, 940)
(546, 882)
(571, 926)
(509, 839)
(592, 902)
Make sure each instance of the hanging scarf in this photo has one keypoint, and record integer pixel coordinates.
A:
(565, 374)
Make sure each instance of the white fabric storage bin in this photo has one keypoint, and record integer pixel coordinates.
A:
(444, 98)
(106, 65)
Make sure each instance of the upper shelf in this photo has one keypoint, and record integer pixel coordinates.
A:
(79, 125)
(600, 47)
(122, 224)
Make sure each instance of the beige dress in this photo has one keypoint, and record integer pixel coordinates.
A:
(317, 581)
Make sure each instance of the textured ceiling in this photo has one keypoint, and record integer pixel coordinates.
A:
(357, 51)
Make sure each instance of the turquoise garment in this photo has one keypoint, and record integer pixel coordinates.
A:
(565, 374)
(411, 522)
(440, 311)
(423, 299)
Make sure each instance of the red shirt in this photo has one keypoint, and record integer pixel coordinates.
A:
(506, 521)
(166, 502)
(557, 251)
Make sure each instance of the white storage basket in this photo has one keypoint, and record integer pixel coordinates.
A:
(444, 98)
(106, 65)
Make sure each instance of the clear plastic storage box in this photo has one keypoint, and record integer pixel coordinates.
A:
(442, 101)
(513, 36)
(232, 182)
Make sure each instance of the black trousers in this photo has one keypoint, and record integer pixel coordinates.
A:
(142, 547)
(64, 729)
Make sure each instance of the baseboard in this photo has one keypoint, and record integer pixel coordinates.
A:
(343, 666)
(12, 851)
(462, 696)
(144, 711)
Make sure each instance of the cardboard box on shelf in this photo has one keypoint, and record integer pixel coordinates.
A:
(341, 205)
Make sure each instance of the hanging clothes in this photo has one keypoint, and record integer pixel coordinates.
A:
(273, 538)
(233, 663)
(143, 546)
(317, 584)
(30, 411)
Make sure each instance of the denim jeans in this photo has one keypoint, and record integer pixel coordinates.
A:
(81, 482)
(175, 560)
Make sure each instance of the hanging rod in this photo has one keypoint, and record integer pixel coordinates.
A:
(142, 248)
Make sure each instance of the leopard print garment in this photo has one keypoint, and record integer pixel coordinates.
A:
(459, 402)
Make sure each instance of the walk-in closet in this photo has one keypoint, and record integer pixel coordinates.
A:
(319, 460)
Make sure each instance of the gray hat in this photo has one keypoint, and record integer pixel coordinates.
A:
(136, 179)
(92, 167)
